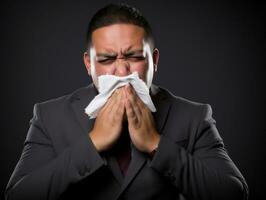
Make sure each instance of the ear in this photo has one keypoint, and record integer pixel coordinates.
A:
(155, 57)
(87, 62)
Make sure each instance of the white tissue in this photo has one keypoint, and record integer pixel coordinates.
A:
(109, 83)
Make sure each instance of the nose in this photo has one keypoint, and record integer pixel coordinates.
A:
(122, 67)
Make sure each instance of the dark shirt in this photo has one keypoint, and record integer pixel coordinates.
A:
(122, 150)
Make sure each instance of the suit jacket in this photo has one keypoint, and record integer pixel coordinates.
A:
(59, 161)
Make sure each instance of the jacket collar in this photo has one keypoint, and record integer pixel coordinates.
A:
(79, 100)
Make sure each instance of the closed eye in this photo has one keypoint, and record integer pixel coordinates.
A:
(135, 58)
(106, 61)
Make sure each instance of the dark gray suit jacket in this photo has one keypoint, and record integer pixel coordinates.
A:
(59, 161)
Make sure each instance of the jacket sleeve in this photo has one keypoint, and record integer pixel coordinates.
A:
(204, 173)
(41, 174)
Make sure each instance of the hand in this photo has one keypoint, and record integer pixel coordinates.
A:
(141, 124)
(108, 124)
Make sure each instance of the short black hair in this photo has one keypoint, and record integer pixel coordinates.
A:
(119, 13)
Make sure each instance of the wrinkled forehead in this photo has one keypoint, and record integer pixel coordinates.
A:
(141, 48)
(118, 36)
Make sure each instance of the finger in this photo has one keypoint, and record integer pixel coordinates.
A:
(110, 102)
(118, 107)
(133, 95)
(114, 98)
(115, 93)
(134, 101)
(130, 91)
(131, 116)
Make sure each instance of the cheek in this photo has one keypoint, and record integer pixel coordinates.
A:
(141, 68)
(103, 70)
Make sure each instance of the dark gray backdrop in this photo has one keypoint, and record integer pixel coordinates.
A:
(211, 52)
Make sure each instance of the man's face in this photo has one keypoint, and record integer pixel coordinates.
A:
(120, 50)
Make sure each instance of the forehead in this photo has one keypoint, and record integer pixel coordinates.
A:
(118, 37)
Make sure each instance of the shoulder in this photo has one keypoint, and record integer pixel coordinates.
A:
(180, 104)
(184, 115)
(61, 103)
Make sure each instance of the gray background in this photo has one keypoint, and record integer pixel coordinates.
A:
(211, 52)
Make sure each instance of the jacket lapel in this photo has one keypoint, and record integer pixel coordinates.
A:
(115, 169)
(137, 162)
(162, 104)
(79, 102)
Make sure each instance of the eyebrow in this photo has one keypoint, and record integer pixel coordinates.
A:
(132, 52)
(107, 54)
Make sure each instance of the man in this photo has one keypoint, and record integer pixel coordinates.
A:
(127, 152)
